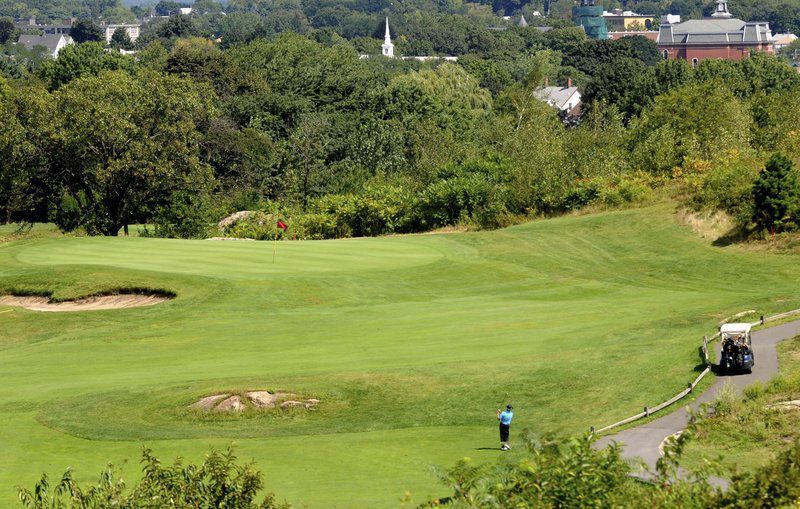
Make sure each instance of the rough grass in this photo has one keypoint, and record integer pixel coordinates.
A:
(411, 342)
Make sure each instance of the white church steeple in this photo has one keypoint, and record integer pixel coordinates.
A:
(387, 47)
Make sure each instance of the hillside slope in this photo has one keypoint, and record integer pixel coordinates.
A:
(410, 343)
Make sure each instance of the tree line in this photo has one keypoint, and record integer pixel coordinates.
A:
(302, 127)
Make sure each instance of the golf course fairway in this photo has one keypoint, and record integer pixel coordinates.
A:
(409, 342)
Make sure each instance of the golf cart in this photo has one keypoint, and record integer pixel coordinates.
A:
(737, 350)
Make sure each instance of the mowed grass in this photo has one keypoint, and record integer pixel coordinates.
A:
(410, 342)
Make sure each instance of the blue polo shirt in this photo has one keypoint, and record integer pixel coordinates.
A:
(506, 416)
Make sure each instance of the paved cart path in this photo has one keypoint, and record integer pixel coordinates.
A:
(643, 441)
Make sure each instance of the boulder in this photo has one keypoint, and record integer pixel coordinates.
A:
(261, 399)
(232, 404)
(265, 399)
(207, 403)
(234, 218)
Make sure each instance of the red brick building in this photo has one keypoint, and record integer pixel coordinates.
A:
(720, 36)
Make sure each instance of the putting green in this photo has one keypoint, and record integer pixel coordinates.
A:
(410, 343)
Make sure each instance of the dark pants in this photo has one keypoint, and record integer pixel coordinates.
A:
(504, 428)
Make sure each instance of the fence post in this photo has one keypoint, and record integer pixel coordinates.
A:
(646, 412)
(762, 320)
(705, 349)
(690, 387)
(591, 430)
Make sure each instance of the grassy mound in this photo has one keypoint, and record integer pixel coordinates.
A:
(411, 342)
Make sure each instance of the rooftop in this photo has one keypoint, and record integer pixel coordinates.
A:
(730, 328)
(715, 30)
(48, 41)
(556, 96)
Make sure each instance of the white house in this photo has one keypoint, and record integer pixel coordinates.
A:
(53, 44)
(783, 40)
(132, 30)
(562, 98)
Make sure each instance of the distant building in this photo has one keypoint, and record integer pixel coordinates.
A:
(564, 99)
(619, 20)
(132, 30)
(55, 29)
(25, 23)
(670, 19)
(720, 36)
(783, 40)
(53, 44)
(590, 17)
(649, 34)
(30, 24)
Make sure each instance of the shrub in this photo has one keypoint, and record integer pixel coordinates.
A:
(186, 216)
(724, 183)
(317, 226)
(570, 474)
(381, 209)
(475, 191)
(217, 482)
(584, 193)
(258, 225)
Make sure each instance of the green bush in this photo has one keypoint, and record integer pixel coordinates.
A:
(475, 191)
(318, 226)
(256, 226)
(186, 216)
(218, 482)
(583, 193)
(636, 187)
(379, 210)
(571, 474)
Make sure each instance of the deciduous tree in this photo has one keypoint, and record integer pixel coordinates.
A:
(84, 30)
(122, 145)
(121, 40)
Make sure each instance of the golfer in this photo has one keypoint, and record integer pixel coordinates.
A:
(505, 425)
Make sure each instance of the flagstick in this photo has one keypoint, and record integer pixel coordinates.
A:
(275, 232)
(275, 244)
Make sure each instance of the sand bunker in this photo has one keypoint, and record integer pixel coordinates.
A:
(119, 301)
(258, 400)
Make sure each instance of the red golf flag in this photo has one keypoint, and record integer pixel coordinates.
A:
(282, 225)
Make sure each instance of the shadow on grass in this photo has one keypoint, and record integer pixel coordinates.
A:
(735, 235)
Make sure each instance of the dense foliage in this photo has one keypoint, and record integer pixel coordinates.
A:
(572, 474)
(346, 145)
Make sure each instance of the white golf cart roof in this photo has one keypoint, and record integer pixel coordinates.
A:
(735, 328)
